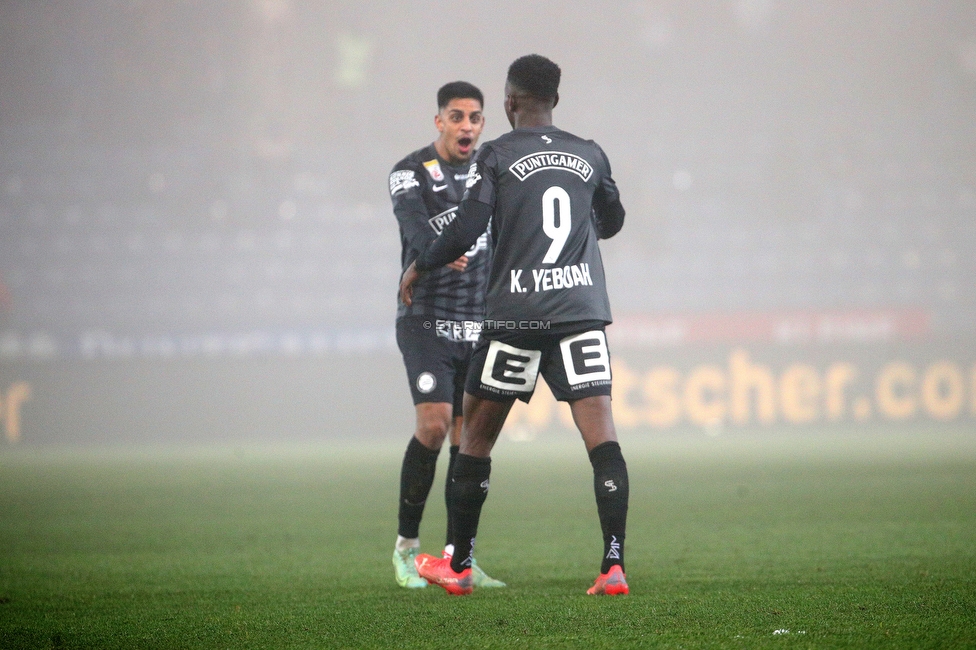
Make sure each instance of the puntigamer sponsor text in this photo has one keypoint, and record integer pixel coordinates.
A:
(524, 167)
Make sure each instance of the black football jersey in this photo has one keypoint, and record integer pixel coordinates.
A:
(550, 194)
(425, 191)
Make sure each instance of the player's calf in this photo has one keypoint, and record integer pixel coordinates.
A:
(612, 488)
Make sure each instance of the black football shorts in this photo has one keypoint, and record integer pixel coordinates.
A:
(436, 354)
(574, 365)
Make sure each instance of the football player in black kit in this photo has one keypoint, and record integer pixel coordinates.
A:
(549, 196)
(434, 333)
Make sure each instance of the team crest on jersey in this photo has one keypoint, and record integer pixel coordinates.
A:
(473, 175)
(434, 169)
(535, 162)
(401, 180)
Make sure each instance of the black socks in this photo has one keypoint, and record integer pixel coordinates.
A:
(416, 477)
(447, 493)
(469, 489)
(612, 495)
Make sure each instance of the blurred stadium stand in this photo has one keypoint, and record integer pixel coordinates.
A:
(182, 181)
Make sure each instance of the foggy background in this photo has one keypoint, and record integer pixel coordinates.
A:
(196, 238)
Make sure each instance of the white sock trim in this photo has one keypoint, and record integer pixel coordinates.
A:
(404, 543)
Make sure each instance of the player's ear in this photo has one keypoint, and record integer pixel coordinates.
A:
(555, 100)
(439, 123)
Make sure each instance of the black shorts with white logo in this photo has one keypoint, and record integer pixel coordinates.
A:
(436, 355)
(574, 365)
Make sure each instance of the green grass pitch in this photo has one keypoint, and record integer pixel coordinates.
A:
(738, 541)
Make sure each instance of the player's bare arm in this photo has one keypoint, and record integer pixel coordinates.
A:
(406, 286)
(410, 276)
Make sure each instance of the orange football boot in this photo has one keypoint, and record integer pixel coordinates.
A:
(438, 571)
(611, 583)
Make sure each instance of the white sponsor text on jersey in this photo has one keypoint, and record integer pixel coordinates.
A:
(534, 162)
(566, 277)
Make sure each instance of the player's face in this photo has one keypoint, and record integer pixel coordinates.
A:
(460, 124)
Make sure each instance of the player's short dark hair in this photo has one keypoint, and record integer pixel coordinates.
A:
(535, 75)
(458, 90)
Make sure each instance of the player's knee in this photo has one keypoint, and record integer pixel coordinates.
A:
(432, 430)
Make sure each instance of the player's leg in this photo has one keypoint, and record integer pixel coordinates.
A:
(427, 362)
(455, 439)
(420, 464)
(483, 421)
(416, 478)
(455, 433)
(611, 484)
(479, 577)
(578, 372)
(460, 371)
(594, 419)
(499, 372)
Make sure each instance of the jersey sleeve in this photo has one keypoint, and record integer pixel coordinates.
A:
(608, 211)
(473, 217)
(406, 192)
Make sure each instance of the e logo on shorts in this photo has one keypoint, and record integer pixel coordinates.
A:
(585, 357)
(510, 368)
(426, 382)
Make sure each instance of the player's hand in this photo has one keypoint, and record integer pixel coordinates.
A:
(459, 264)
(410, 276)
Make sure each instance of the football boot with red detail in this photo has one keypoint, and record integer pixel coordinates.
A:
(438, 571)
(611, 583)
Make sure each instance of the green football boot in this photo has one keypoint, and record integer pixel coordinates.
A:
(481, 579)
(406, 570)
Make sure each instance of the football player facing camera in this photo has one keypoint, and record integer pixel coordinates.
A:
(437, 332)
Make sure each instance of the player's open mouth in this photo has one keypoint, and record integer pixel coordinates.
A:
(464, 143)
